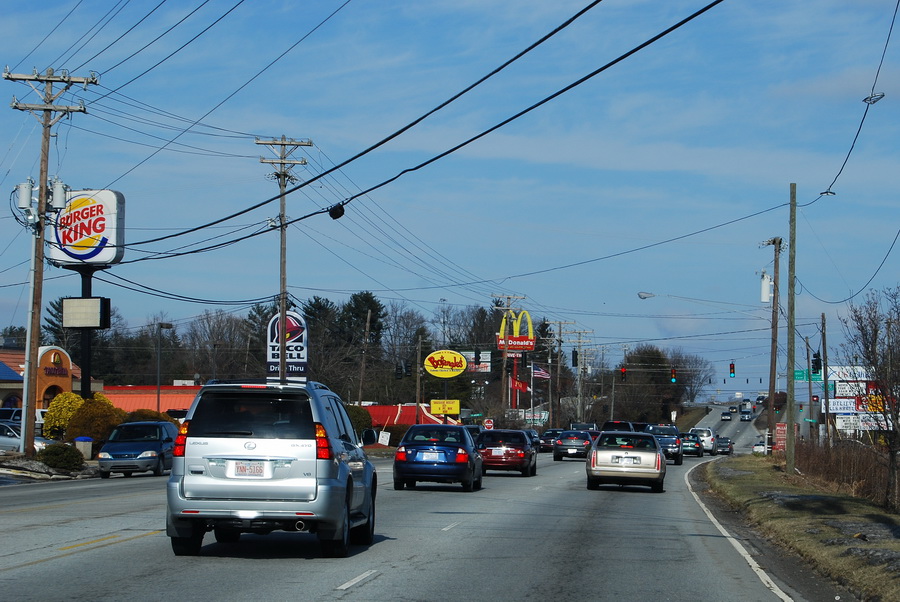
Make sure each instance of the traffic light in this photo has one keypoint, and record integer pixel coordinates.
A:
(407, 368)
(524, 358)
(574, 357)
(778, 409)
(731, 370)
(801, 407)
(398, 371)
(509, 367)
(624, 373)
(674, 376)
(817, 362)
(815, 399)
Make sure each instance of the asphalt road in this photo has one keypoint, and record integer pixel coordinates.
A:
(537, 538)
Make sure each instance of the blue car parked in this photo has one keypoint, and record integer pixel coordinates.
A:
(138, 447)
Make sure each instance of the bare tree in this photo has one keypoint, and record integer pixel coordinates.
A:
(871, 336)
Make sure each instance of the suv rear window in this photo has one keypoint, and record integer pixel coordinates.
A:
(662, 429)
(256, 413)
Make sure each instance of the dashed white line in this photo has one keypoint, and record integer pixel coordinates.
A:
(356, 580)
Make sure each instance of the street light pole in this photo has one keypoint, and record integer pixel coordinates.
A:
(159, 328)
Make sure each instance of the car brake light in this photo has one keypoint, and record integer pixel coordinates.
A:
(400, 456)
(520, 453)
(180, 440)
(323, 447)
(588, 442)
(462, 456)
(657, 461)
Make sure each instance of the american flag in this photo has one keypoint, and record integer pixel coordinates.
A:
(538, 372)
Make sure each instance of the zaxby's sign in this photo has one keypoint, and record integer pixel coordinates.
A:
(294, 345)
(515, 340)
(90, 229)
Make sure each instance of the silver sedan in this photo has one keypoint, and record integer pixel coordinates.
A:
(625, 458)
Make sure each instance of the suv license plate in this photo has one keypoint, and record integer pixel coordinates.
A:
(249, 469)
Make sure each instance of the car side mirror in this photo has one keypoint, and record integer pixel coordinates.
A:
(369, 437)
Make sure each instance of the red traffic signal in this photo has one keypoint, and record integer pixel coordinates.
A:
(624, 373)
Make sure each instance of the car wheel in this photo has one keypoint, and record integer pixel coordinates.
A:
(160, 467)
(188, 546)
(224, 535)
(700, 454)
(557, 457)
(104, 474)
(593, 483)
(534, 469)
(468, 484)
(479, 483)
(657, 487)
(410, 484)
(364, 534)
(526, 472)
(340, 547)
(398, 484)
(679, 459)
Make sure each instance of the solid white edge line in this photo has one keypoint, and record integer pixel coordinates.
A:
(763, 576)
(356, 580)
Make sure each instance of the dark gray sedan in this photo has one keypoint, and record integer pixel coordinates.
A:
(572, 444)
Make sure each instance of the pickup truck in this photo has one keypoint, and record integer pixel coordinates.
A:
(669, 441)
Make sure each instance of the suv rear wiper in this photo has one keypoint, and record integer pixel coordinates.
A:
(245, 433)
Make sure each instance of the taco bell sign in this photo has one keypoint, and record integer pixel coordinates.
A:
(89, 230)
(295, 347)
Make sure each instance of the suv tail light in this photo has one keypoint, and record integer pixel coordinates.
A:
(180, 440)
(462, 456)
(323, 447)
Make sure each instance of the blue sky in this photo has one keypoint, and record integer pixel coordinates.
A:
(663, 173)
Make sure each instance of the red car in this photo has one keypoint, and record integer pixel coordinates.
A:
(507, 450)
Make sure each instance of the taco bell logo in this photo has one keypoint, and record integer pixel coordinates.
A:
(294, 344)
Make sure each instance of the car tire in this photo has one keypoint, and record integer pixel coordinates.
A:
(364, 534)
(526, 472)
(398, 484)
(534, 469)
(557, 457)
(410, 484)
(160, 467)
(104, 474)
(477, 485)
(340, 547)
(188, 546)
(679, 459)
(468, 484)
(657, 487)
(224, 535)
(593, 483)
(700, 454)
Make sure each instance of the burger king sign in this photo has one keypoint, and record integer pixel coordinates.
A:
(89, 229)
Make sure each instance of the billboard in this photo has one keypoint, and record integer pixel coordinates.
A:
(90, 229)
(295, 347)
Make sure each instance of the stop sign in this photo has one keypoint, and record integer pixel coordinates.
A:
(488, 423)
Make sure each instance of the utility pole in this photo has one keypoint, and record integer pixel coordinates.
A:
(284, 148)
(558, 336)
(773, 352)
(362, 363)
(825, 386)
(45, 114)
(792, 256)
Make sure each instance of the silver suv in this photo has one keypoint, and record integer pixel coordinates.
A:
(257, 458)
(707, 438)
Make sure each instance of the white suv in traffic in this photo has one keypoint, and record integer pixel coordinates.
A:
(257, 458)
(707, 438)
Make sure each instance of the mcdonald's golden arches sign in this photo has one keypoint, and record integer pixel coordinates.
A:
(515, 340)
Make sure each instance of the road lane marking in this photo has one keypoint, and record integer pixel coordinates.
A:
(87, 543)
(450, 526)
(72, 553)
(763, 576)
(356, 580)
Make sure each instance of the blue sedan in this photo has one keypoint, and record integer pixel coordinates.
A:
(440, 453)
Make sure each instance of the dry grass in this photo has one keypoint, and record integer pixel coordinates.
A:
(849, 539)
